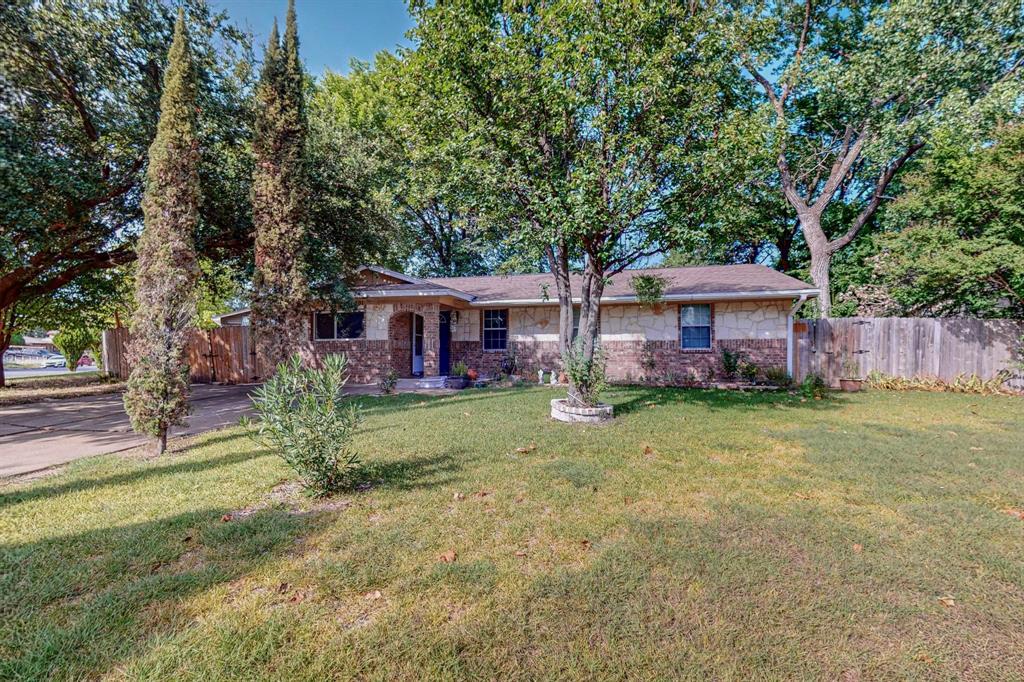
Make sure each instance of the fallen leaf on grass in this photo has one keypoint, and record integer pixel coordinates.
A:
(187, 538)
(976, 449)
(1018, 513)
(857, 548)
(953, 433)
(529, 448)
(466, 414)
(297, 598)
(802, 496)
(585, 544)
(520, 498)
(481, 493)
(373, 596)
(449, 556)
(282, 588)
(520, 553)
(225, 518)
(948, 602)
(459, 496)
(649, 452)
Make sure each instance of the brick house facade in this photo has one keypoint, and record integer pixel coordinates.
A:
(424, 327)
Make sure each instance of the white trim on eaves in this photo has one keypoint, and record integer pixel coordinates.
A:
(668, 298)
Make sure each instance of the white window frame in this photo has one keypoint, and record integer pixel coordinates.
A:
(710, 326)
(484, 328)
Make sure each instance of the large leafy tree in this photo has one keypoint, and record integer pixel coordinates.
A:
(854, 90)
(279, 199)
(591, 124)
(156, 397)
(954, 243)
(418, 184)
(78, 109)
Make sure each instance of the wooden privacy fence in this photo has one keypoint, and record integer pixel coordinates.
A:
(908, 347)
(221, 355)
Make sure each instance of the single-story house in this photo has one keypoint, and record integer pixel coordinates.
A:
(424, 326)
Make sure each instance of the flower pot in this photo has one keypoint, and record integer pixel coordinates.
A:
(564, 412)
(851, 385)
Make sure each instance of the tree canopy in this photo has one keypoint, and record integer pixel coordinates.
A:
(853, 91)
(82, 83)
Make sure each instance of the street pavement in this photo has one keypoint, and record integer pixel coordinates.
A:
(44, 434)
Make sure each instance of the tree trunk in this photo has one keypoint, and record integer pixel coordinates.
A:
(6, 334)
(590, 307)
(821, 258)
(160, 445)
(558, 261)
(821, 261)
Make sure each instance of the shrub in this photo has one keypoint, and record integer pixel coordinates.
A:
(388, 382)
(961, 383)
(586, 377)
(306, 420)
(813, 386)
(749, 371)
(730, 363)
(509, 364)
(777, 376)
(459, 370)
(72, 343)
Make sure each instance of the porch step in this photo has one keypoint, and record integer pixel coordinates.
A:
(421, 382)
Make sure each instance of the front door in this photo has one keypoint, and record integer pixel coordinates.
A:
(444, 334)
(417, 345)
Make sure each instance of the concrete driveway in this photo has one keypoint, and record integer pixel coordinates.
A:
(44, 434)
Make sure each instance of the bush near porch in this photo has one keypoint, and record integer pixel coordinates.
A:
(702, 533)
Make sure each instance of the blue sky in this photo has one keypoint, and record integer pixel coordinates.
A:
(331, 32)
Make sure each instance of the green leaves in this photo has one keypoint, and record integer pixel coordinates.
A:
(304, 417)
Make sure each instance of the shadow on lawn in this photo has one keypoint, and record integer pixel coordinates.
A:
(641, 397)
(80, 605)
(146, 470)
(411, 474)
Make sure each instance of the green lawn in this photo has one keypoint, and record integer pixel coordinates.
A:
(702, 534)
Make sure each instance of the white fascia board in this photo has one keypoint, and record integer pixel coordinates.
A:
(382, 293)
(670, 298)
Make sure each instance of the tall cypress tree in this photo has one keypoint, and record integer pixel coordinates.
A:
(279, 201)
(166, 272)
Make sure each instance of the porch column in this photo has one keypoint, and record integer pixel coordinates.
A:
(431, 339)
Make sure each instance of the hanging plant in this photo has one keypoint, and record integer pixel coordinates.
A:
(649, 289)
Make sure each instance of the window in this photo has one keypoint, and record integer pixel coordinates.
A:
(695, 326)
(576, 322)
(338, 326)
(495, 324)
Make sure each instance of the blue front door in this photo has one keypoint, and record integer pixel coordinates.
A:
(445, 337)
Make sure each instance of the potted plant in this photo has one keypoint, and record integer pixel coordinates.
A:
(458, 377)
(850, 380)
(472, 374)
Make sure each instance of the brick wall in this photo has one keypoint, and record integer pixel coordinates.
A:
(626, 358)
(366, 358)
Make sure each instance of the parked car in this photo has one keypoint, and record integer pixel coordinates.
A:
(55, 360)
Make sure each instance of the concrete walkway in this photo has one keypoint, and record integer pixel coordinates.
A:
(44, 434)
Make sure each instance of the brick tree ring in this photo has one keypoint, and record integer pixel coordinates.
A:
(564, 412)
